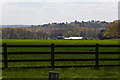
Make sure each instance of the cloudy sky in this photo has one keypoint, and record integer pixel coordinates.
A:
(42, 12)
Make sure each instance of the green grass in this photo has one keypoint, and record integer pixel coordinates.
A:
(63, 42)
(104, 72)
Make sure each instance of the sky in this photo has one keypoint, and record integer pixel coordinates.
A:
(43, 12)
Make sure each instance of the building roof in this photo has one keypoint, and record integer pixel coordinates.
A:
(66, 38)
(74, 38)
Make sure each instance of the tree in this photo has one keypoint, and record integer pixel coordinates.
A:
(113, 30)
(100, 35)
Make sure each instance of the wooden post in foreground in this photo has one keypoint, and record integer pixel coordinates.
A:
(53, 75)
(5, 55)
(52, 55)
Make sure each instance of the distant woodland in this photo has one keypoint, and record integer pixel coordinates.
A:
(91, 30)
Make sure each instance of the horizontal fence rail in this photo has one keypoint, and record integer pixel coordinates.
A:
(52, 53)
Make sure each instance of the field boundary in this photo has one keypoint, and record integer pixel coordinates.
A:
(53, 60)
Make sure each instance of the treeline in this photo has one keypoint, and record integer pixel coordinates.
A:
(111, 31)
(88, 24)
(48, 33)
(24, 33)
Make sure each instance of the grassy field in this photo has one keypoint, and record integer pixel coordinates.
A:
(104, 72)
(76, 42)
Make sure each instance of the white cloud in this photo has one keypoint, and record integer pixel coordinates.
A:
(1, 5)
(58, 12)
(59, 0)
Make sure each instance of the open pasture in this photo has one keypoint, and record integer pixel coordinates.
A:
(104, 72)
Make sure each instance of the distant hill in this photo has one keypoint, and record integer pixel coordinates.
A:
(88, 24)
(17, 25)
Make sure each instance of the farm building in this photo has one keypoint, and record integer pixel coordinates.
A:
(60, 37)
(74, 38)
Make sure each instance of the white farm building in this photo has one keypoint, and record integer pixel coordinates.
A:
(74, 38)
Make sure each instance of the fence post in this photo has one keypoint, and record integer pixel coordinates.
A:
(96, 56)
(53, 75)
(52, 55)
(5, 55)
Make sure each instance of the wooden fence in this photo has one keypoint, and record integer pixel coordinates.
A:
(53, 60)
